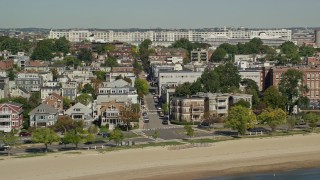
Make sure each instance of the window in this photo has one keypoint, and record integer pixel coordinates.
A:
(77, 116)
(5, 109)
(50, 117)
(76, 109)
(13, 123)
(41, 110)
(42, 117)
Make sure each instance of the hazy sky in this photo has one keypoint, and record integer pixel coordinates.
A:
(158, 13)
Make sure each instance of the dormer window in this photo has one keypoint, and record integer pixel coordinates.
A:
(76, 109)
(41, 110)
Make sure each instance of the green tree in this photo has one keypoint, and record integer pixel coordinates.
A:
(196, 87)
(272, 117)
(117, 136)
(312, 120)
(142, 86)
(90, 138)
(75, 136)
(72, 61)
(242, 103)
(35, 99)
(183, 89)
(44, 135)
(155, 135)
(88, 89)
(101, 75)
(165, 108)
(44, 50)
(110, 62)
(211, 81)
(189, 130)
(291, 86)
(65, 124)
(137, 67)
(93, 129)
(66, 103)
(62, 45)
(218, 55)
(84, 99)
(9, 139)
(85, 55)
(241, 119)
(307, 51)
(291, 122)
(229, 77)
(11, 75)
(273, 98)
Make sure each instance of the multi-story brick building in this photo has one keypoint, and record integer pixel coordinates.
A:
(311, 78)
(11, 116)
(187, 109)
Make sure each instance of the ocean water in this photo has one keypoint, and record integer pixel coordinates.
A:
(301, 174)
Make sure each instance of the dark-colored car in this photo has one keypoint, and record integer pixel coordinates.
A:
(204, 124)
(24, 134)
(144, 114)
(165, 122)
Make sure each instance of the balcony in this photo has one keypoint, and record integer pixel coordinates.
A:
(5, 120)
(6, 112)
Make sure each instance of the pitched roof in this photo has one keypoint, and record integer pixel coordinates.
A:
(117, 83)
(57, 96)
(83, 109)
(47, 110)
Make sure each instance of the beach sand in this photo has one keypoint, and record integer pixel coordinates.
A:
(222, 158)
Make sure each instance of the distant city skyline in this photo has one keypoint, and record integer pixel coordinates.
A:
(167, 14)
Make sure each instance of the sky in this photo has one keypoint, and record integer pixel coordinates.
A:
(117, 14)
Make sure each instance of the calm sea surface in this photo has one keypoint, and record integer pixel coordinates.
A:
(302, 174)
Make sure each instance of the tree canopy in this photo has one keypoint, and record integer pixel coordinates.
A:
(240, 119)
(272, 117)
(291, 86)
(142, 86)
(44, 135)
(273, 98)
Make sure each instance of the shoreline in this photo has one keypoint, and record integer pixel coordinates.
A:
(256, 155)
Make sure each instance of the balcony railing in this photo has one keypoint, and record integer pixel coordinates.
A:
(6, 112)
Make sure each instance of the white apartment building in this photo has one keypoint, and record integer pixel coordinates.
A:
(166, 37)
(255, 74)
(174, 78)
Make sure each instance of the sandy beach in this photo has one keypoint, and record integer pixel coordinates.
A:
(222, 158)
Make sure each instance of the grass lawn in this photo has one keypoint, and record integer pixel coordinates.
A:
(29, 155)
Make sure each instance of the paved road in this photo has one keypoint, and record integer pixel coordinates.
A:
(155, 120)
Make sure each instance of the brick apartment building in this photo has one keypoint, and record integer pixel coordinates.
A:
(311, 78)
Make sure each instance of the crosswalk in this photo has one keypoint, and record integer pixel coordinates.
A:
(166, 127)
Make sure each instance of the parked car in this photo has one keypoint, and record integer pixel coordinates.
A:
(161, 114)
(159, 108)
(204, 125)
(4, 147)
(144, 114)
(24, 134)
(165, 122)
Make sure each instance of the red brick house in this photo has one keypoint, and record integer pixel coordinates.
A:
(11, 116)
(56, 101)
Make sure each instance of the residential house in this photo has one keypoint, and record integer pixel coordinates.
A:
(37, 66)
(47, 90)
(120, 71)
(29, 81)
(4, 87)
(43, 116)
(55, 101)
(11, 116)
(80, 112)
(20, 92)
(70, 90)
(6, 64)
